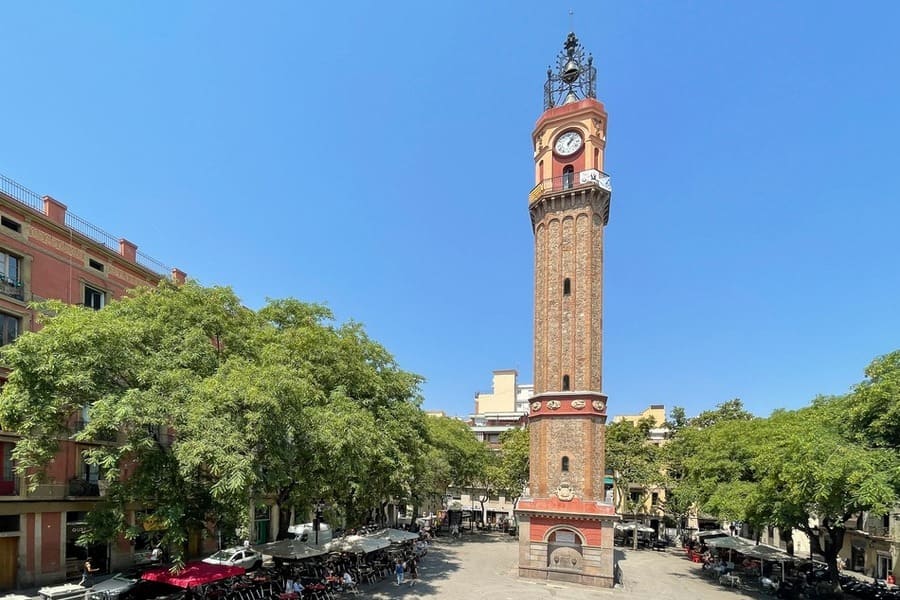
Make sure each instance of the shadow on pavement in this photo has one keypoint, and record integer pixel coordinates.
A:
(438, 564)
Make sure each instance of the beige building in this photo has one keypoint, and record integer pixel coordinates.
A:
(504, 408)
(646, 505)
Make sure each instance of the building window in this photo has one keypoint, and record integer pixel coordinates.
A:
(565, 386)
(540, 171)
(96, 264)
(565, 464)
(597, 158)
(568, 177)
(567, 286)
(8, 479)
(10, 224)
(9, 328)
(9, 269)
(654, 499)
(94, 299)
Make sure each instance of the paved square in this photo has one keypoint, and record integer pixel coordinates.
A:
(484, 566)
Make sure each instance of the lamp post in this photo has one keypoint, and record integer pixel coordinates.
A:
(320, 506)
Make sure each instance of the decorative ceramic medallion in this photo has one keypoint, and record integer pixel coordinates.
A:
(598, 405)
(535, 406)
(565, 492)
(579, 404)
(553, 404)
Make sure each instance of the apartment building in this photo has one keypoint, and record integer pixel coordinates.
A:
(47, 252)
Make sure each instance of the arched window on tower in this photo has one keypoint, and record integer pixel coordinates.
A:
(568, 177)
(596, 158)
(565, 383)
(541, 172)
(565, 463)
(567, 286)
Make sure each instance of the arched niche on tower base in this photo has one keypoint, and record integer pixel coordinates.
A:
(564, 548)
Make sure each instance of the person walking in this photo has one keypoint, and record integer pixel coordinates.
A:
(398, 571)
(413, 571)
(87, 573)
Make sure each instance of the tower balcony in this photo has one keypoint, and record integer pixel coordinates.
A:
(590, 178)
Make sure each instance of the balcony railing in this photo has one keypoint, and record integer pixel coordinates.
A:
(23, 195)
(11, 288)
(83, 488)
(878, 530)
(9, 486)
(571, 181)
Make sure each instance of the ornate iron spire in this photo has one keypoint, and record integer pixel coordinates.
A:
(575, 77)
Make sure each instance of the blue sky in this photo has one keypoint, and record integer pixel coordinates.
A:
(376, 156)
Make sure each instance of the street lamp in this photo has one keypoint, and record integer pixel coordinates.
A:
(320, 506)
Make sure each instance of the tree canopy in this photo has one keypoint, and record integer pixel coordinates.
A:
(810, 469)
(213, 404)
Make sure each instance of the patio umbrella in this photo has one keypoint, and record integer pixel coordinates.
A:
(290, 550)
(357, 544)
(395, 536)
(633, 526)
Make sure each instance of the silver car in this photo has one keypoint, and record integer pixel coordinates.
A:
(236, 557)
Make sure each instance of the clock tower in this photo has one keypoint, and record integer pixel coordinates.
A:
(565, 520)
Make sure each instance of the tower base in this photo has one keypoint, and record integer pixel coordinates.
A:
(566, 541)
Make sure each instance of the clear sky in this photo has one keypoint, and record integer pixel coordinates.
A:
(376, 156)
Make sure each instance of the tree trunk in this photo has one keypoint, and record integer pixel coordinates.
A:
(834, 540)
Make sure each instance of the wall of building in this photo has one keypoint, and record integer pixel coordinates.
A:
(503, 394)
(55, 262)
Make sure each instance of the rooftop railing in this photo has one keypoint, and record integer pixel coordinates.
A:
(23, 195)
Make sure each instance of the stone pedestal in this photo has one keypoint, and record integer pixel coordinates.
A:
(568, 541)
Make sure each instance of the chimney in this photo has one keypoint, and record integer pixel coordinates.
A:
(179, 276)
(128, 250)
(55, 210)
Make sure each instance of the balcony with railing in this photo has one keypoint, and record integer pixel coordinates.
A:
(571, 181)
(83, 488)
(11, 287)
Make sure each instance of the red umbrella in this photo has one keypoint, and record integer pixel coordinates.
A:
(193, 574)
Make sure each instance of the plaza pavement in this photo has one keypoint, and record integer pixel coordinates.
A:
(484, 566)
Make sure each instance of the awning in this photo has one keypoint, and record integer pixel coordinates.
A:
(395, 536)
(290, 550)
(713, 533)
(731, 542)
(193, 574)
(631, 526)
(764, 552)
(357, 544)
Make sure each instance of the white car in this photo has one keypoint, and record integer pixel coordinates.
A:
(236, 557)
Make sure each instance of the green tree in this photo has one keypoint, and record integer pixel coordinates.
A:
(634, 463)
(278, 401)
(873, 407)
(796, 469)
(512, 471)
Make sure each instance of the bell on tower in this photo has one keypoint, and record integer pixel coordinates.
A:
(575, 77)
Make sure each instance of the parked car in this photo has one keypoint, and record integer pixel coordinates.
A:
(236, 557)
(115, 586)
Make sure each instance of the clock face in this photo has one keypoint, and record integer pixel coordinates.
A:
(568, 143)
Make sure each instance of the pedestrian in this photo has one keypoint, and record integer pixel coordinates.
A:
(87, 573)
(398, 571)
(413, 571)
